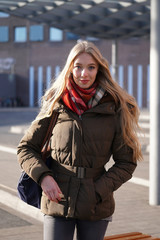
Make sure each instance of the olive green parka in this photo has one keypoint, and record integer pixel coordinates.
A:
(81, 147)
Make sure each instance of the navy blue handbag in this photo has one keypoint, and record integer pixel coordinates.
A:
(28, 190)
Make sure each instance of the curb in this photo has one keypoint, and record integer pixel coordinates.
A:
(17, 204)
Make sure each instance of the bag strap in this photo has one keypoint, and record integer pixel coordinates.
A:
(46, 140)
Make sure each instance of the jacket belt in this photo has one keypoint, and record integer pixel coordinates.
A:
(79, 172)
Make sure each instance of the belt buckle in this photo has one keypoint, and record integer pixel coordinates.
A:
(81, 172)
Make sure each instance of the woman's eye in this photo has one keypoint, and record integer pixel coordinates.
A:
(77, 67)
(91, 67)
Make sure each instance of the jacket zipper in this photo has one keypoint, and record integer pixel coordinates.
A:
(81, 133)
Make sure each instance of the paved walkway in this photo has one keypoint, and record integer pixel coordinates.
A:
(18, 220)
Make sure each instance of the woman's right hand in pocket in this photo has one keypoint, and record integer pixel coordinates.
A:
(51, 189)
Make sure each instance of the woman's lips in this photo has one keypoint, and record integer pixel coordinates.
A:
(84, 81)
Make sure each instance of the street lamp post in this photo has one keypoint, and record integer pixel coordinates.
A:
(154, 169)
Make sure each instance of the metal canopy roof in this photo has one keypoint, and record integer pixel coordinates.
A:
(96, 18)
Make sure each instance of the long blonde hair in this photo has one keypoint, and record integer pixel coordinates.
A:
(127, 103)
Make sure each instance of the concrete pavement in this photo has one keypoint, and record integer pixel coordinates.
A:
(133, 212)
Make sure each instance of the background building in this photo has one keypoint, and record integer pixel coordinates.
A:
(31, 54)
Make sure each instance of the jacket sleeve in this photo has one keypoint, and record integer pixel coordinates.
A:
(29, 150)
(122, 169)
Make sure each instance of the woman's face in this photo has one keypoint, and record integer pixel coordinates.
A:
(85, 69)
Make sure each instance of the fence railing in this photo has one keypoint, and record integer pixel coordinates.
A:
(134, 79)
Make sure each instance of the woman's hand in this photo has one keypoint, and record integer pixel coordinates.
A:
(51, 189)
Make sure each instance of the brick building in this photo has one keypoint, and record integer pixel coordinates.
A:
(26, 45)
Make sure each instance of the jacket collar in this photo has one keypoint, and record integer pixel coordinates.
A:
(105, 106)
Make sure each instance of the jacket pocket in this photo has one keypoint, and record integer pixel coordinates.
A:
(51, 208)
(63, 182)
(60, 208)
(105, 205)
(105, 208)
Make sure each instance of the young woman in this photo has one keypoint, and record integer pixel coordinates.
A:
(97, 120)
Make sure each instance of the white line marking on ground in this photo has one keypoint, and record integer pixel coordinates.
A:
(140, 181)
(19, 129)
(8, 149)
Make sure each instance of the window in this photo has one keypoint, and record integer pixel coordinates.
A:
(36, 33)
(92, 39)
(72, 36)
(55, 34)
(20, 34)
(4, 15)
(4, 36)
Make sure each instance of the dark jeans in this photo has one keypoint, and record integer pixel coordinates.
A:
(60, 228)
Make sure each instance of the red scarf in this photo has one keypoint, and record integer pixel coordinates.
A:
(76, 98)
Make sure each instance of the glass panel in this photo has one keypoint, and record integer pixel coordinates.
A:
(55, 34)
(4, 34)
(72, 36)
(3, 15)
(36, 33)
(20, 34)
